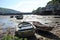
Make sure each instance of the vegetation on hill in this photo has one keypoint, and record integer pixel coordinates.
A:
(52, 7)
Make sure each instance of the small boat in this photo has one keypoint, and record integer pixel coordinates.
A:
(40, 26)
(26, 29)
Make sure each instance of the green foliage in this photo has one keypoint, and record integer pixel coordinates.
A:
(38, 8)
(8, 37)
(54, 2)
(50, 2)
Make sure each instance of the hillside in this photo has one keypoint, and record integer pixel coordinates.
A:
(5, 10)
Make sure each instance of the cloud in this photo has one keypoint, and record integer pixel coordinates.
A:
(29, 5)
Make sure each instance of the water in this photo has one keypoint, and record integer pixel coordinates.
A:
(6, 21)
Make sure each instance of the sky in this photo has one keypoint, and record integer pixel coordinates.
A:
(23, 5)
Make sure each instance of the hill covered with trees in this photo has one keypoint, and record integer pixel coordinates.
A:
(52, 8)
(5, 10)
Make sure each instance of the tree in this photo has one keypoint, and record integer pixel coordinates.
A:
(38, 9)
(56, 1)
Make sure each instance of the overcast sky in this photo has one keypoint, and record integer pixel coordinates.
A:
(23, 5)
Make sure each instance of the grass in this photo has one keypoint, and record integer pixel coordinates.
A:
(8, 37)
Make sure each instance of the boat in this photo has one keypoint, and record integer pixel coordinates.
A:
(25, 29)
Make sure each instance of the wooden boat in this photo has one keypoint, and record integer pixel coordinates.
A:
(40, 26)
(25, 30)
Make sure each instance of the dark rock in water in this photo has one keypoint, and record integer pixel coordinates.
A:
(19, 17)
